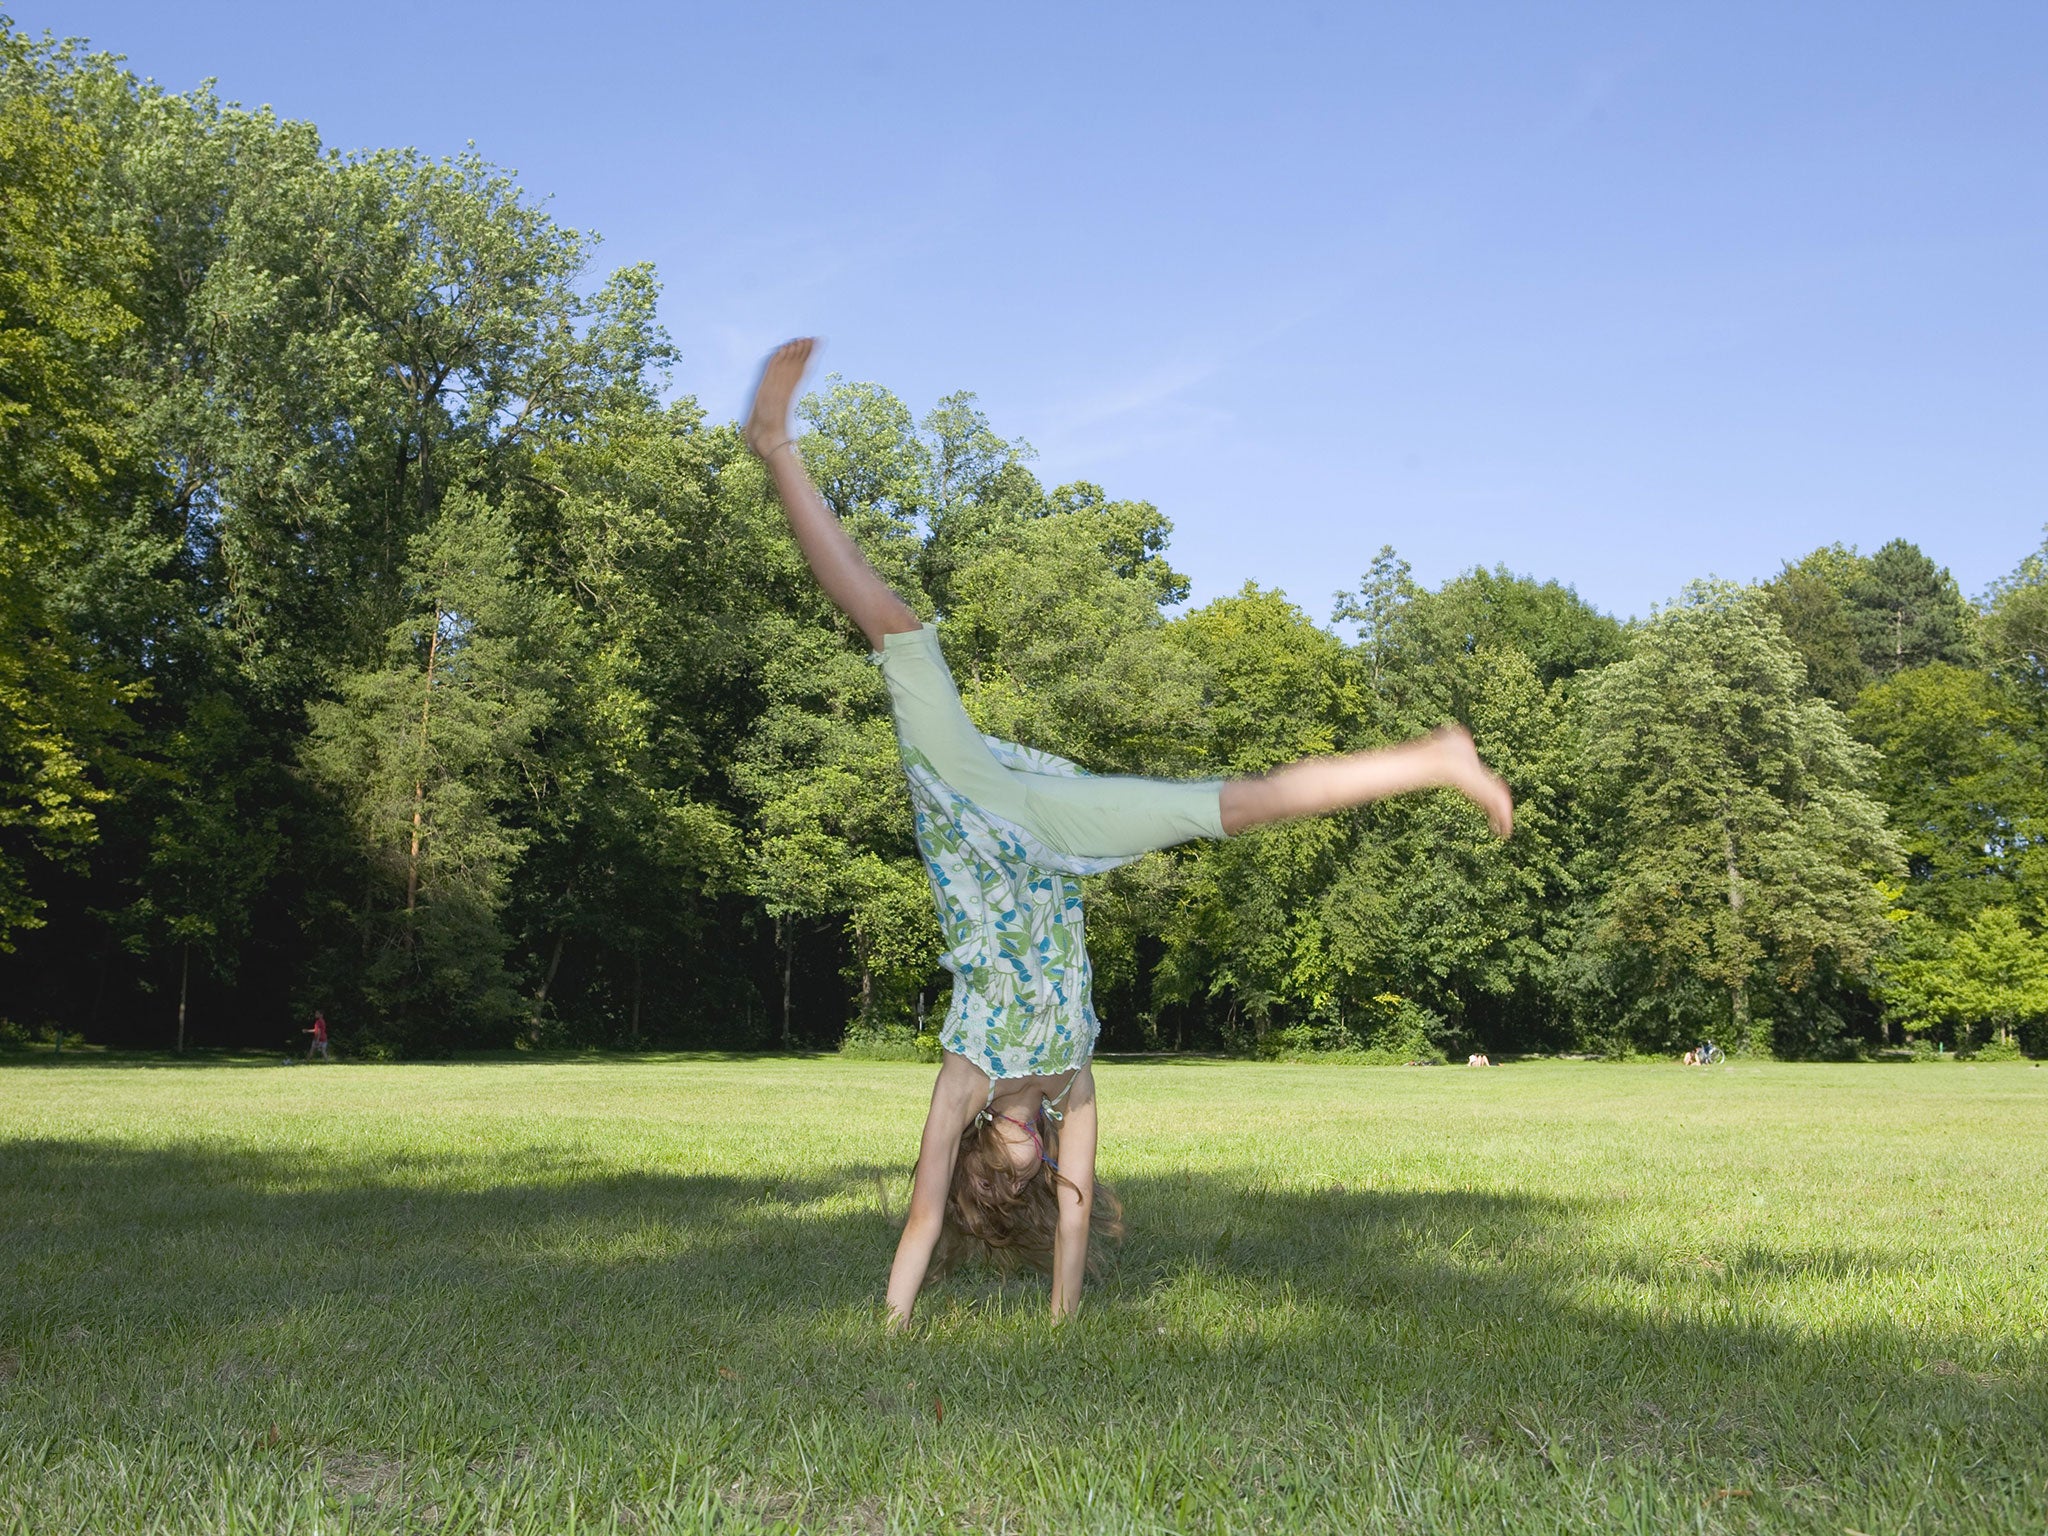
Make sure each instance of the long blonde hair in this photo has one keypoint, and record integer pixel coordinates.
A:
(1008, 1217)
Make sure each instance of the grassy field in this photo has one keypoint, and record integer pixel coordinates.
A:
(645, 1296)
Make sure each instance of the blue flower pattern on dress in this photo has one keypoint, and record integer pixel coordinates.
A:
(1010, 908)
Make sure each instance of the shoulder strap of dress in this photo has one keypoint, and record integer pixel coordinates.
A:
(1052, 1106)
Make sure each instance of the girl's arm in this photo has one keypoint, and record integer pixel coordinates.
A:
(958, 1094)
(835, 560)
(1077, 1205)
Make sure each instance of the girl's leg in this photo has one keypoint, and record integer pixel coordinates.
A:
(842, 570)
(1444, 759)
(1113, 817)
(932, 724)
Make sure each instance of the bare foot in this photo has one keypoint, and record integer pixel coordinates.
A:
(1473, 779)
(768, 422)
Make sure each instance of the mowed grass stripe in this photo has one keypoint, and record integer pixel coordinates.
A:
(645, 1295)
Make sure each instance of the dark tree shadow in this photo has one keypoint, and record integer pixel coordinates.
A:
(293, 1055)
(511, 1298)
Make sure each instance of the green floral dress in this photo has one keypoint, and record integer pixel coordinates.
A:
(1010, 908)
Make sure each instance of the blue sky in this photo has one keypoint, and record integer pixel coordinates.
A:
(1617, 294)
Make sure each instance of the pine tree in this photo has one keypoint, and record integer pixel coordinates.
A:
(429, 751)
(1907, 611)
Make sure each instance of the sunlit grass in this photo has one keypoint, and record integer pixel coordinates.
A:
(645, 1296)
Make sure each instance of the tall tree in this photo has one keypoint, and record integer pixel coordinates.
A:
(978, 489)
(1907, 612)
(1742, 841)
(1428, 904)
(214, 818)
(431, 750)
(65, 282)
(1961, 763)
(829, 843)
(1375, 608)
(2016, 627)
(1985, 980)
(666, 574)
(1557, 630)
(1811, 600)
(1246, 932)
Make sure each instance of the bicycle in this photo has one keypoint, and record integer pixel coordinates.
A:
(1710, 1055)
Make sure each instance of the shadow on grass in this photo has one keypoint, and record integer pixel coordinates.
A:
(202, 1058)
(98, 1057)
(510, 1298)
(210, 1057)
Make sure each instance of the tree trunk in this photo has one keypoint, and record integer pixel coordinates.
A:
(553, 965)
(397, 500)
(635, 1026)
(99, 985)
(1738, 989)
(426, 477)
(867, 978)
(540, 998)
(184, 976)
(788, 944)
(419, 784)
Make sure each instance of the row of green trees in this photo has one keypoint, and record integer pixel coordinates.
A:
(374, 638)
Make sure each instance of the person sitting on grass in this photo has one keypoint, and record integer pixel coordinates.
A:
(1006, 1166)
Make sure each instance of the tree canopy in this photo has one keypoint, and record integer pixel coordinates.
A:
(380, 633)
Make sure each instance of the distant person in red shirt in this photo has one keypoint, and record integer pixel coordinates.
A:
(319, 1034)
